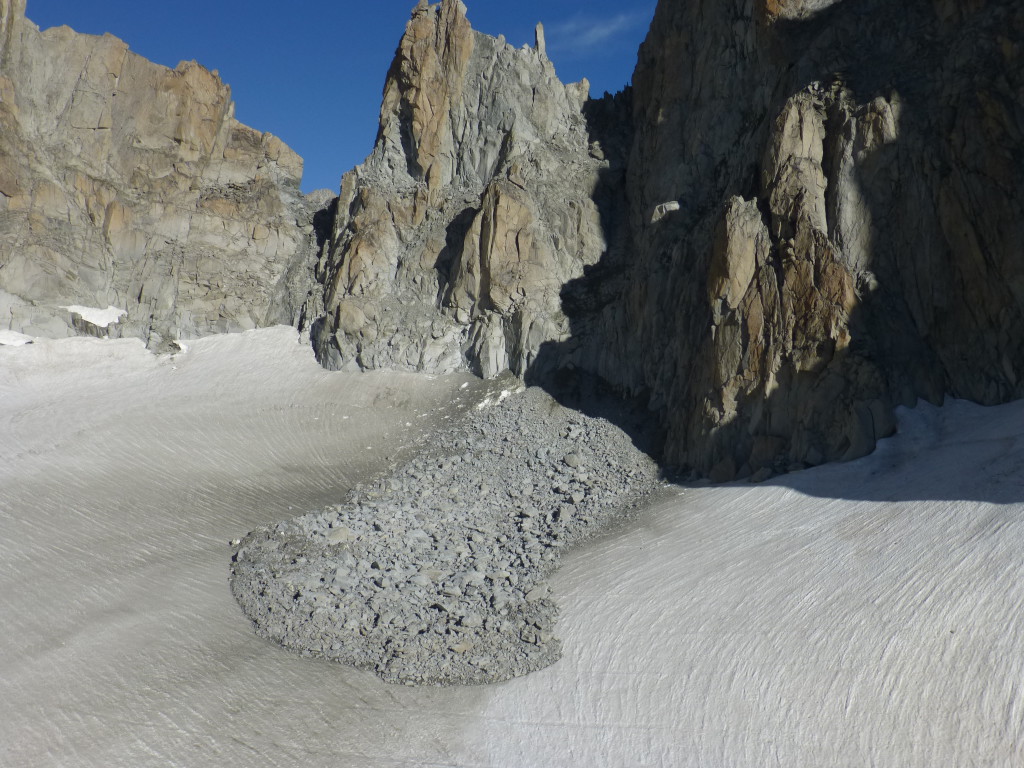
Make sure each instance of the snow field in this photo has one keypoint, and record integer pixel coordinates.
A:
(866, 614)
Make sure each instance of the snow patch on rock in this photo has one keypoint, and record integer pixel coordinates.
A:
(98, 317)
(14, 339)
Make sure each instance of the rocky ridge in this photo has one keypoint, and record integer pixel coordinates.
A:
(802, 213)
(452, 241)
(127, 184)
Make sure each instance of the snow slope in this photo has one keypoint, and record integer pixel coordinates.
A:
(852, 615)
(13, 338)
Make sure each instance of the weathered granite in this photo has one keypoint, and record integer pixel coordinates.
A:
(126, 183)
(804, 213)
(825, 221)
(454, 238)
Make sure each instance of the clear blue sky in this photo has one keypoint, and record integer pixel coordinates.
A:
(312, 72)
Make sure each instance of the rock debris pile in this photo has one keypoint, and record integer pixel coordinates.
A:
(436, 573)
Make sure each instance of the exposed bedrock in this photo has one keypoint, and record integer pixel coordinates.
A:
(127, 184)
(801, 215)
(849, 181)
(454, 238)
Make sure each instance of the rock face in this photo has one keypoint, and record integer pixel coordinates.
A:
(453, 240)
(823, 204)
(802, 213)
(849, 179)
(126, 184)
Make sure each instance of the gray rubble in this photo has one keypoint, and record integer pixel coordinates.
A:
(436, 573)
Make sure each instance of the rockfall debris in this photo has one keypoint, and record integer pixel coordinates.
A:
(435, 573)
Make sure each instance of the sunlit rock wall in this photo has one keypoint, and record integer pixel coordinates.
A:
(454, 238)
(127, 184)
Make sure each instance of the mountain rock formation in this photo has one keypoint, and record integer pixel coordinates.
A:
(803, 214)
(127, 184)
(849, 178)
(453, 240)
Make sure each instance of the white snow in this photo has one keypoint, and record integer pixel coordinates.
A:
(13, 338)
(98, 317)
(507, 393)
(852, 615)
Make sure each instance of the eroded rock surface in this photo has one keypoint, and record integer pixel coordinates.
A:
(454, 238)
(825, 221)
(802, 214)
(127, 184)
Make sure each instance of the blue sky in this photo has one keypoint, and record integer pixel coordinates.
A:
(312, 72)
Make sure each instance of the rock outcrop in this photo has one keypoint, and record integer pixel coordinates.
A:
(802, 213)
(454, 238)
(824, 220)
(127, 184)
(849, 178)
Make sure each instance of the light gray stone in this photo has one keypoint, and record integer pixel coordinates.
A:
(125, 183)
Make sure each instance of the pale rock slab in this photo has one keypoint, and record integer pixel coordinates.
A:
(126, 183)
(454, 238)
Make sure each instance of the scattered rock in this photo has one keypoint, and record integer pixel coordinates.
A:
(387, 575)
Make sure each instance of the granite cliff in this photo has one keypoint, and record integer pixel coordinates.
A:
(453, 240)
(800, 215)
(127, 184)
(849, 178)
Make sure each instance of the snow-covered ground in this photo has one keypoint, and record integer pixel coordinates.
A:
(13, 338)
(867, 614)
